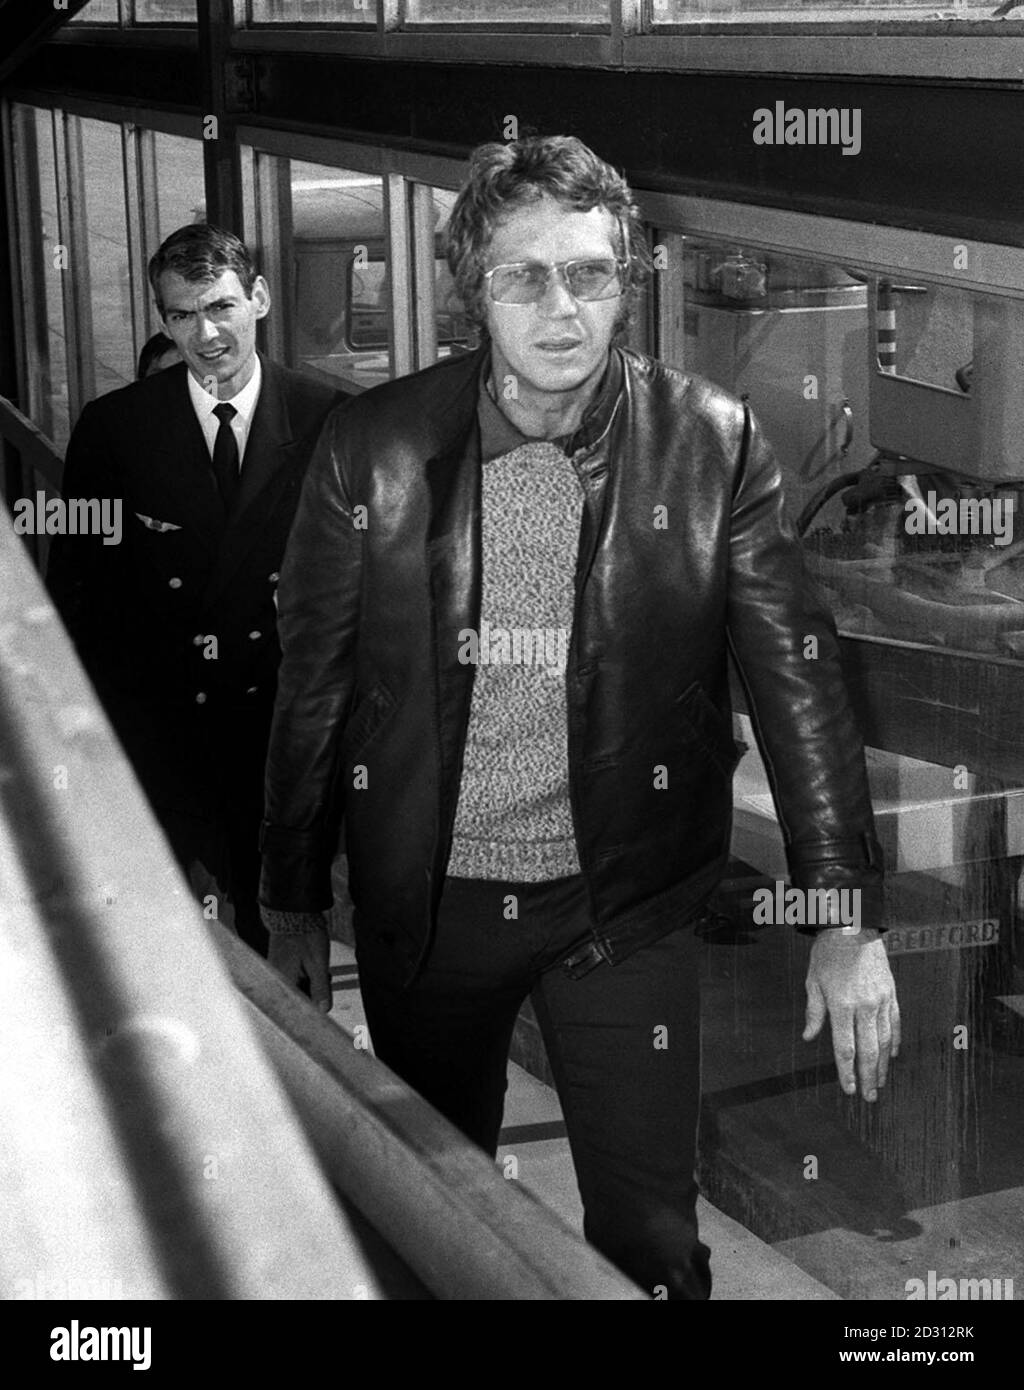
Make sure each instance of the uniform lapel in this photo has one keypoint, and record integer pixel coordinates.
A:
(269, 451)
(177, 462)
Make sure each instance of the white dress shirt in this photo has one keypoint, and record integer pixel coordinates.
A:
(204, 404)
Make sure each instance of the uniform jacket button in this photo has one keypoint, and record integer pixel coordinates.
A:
(198, 640)
(174, 583)
(252, 690)
(201, 697)
(273, 578)
(255, 635)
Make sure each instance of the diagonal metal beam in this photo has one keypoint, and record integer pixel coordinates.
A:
(25, 25)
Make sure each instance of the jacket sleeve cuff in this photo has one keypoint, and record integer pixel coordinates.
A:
(296, 871)
(854, 865)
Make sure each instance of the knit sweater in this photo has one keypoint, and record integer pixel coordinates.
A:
(513, 819)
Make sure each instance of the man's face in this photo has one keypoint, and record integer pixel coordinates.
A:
(559, 344)
(213, 325)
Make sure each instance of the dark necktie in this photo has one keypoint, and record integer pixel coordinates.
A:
(225, 455)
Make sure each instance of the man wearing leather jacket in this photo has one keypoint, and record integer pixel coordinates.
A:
(505, 613)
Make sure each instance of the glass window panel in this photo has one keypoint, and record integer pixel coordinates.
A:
(165, 12)
(250, 232)
(455, 333)
(44, 263)
(856, 445)
(314, 11)
(933, 332)
(339, 276)
(53, 387)
(42, 255)
(107, 250)
(96, 12)
(535, 12)
(790, 11)
(748, 319)
(181, 192)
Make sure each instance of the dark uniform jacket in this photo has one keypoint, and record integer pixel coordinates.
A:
(383, 572)
(142, 613)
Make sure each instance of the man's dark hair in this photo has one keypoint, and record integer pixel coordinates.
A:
(152, 350)
(505, 178)
(200, 252)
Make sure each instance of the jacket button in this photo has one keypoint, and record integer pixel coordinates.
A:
(252, 690)
(254, 636)
(273, 578)
(174, 583)
(201, 697)
(198, 640)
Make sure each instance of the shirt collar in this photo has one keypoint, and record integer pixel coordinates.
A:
(244, 402)
(498, 435)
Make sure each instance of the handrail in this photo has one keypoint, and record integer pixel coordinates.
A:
(147, 1149)
(460, 1226)
(29, 439)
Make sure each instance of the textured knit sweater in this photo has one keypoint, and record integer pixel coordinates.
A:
(513, 819)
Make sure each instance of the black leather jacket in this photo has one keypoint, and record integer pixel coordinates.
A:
(383, 571)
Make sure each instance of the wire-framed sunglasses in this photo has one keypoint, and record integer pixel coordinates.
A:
(526, 282)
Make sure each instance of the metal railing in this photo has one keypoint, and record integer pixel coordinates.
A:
(149, 1145)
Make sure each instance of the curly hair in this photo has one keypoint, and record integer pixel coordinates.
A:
(506, 177)
(201, 251)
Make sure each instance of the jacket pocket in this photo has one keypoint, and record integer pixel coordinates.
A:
(709, 731)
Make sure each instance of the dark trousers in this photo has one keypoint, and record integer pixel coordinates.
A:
(206, 787)
(624, 1046)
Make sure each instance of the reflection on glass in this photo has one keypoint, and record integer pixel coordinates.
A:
(790, 11)
(341, 309)
(180, 191)
(249, 228)
(911, 528)
(96, 12)
(314, 11)
(932, 329)
(107, 251)
(762, 325)
(516, 12)
(455, 333)
(165, 12)
(41, 258)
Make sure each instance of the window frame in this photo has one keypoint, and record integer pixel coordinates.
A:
(982, 50)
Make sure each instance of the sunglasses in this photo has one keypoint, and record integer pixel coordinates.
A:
(526, 282)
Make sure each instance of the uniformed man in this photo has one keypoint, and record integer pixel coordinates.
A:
(176, 625)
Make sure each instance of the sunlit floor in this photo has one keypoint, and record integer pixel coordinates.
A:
(743, 1266)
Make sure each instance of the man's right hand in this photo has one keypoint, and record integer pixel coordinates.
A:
(296, 953)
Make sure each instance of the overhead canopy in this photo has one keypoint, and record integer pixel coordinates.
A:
(25, 24)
